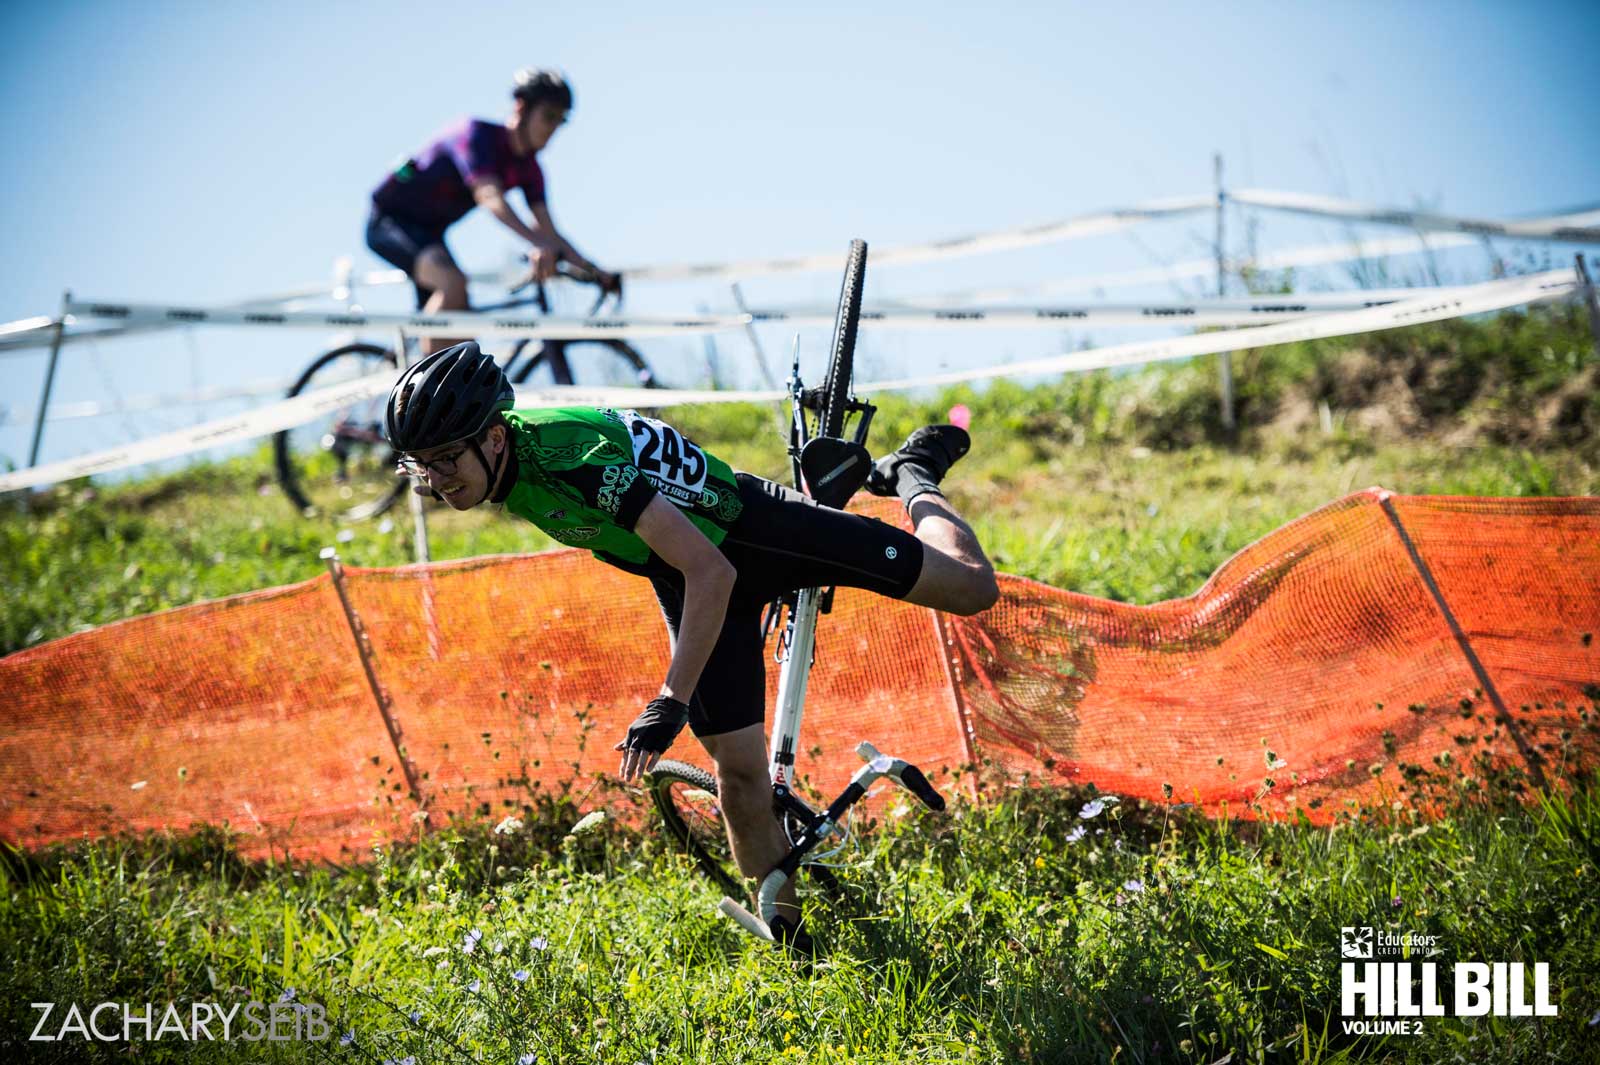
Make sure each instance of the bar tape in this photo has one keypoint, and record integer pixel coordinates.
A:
(1474, 299)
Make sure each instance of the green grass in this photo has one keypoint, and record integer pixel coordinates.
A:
(987, 935)
(991, 934)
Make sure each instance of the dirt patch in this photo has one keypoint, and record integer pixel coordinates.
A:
(1418, 392)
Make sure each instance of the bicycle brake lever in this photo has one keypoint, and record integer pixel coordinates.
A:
(907, 775)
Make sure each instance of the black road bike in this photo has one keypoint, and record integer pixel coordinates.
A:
(340, 464)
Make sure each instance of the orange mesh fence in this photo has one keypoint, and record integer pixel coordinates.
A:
(1319, 659)
(1316, 665)
(250, 711)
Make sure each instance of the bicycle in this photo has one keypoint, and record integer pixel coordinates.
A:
(341, 464)
(830, 468)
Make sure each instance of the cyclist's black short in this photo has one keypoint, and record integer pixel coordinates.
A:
(781, 542)
(400, 241)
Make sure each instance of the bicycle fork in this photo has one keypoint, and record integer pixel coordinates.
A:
(799, 643)
(826, 824)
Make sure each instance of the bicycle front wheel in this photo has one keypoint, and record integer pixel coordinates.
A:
(686, 795)
(340, 464)
(687, 798)
(836, 386)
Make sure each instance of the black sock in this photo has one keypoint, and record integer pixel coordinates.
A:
(913, 481)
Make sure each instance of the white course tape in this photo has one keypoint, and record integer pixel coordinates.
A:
(1579, 227)
(998, 240)
(1248, 311)
(1475, 299)
(139, 404)
(1575, 226)
(461, 323)
(292, 412)
(1310, 255)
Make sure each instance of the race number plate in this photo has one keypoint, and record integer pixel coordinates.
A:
(669, 459)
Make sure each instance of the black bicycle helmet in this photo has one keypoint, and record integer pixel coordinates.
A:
(451, 395)
(535, 86)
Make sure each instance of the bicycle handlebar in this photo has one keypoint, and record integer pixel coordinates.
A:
(907, 775)
(572, 272)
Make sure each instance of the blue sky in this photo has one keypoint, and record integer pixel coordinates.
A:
(194, 152)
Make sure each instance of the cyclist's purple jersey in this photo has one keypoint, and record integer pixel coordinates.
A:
(435, 186)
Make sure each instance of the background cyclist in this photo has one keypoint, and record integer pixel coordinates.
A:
(716, 543)
(475, 163)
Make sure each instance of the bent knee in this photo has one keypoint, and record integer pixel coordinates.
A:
(978, 593)
(742, 775)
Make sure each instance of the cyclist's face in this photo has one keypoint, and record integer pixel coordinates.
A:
(540, 124)
(454, 470)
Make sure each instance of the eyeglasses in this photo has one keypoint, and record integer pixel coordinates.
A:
(553, 116)
(444, 465)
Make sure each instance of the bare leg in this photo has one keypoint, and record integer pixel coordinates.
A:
(746, 793)
(437, 271)
(956, 576)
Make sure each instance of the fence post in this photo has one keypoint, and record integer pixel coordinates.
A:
(419, 514)
(49, 382)
(1589, 298)
(1226, 365)
(1502, 715)
(963, 718)
(379, 694)
(755, 341)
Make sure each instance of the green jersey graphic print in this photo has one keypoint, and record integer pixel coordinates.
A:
(584, 476)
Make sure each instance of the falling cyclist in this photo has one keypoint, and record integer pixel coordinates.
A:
(717, 545)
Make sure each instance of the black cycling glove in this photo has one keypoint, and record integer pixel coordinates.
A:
(654, 730)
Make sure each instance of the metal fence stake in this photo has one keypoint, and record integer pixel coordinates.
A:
(49, 382)
(1226, 365)
(379, 694)
(1589, 298)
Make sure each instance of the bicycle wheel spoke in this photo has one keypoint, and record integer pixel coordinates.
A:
(340, 464)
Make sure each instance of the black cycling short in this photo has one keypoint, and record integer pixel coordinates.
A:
(782, 541)
(400, 241)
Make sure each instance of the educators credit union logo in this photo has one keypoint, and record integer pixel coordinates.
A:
(1387, 985)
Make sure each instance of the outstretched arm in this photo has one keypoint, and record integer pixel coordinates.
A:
(541, 216)
(492, 198)
(707, 582)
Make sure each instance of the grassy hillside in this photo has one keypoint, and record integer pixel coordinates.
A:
(1027, 929)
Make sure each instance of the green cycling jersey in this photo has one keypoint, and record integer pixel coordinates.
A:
(584, 475)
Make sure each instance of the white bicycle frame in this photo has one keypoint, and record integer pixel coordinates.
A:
(799, 644)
